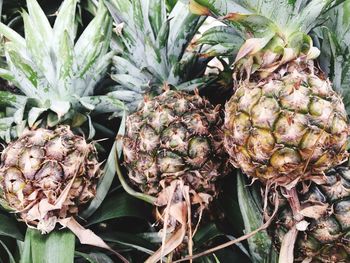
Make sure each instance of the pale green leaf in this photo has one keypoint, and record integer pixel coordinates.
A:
(65, 23)
(60, 107)
(183, 26)
(92, 45)
(124, 66)
(34, 114)
(12, 36)
(40, 20)
(157, 15)
(38, 48)
(103, 104)
(24, 73)
(65, 60)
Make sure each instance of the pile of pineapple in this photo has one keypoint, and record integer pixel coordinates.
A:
(110, 93)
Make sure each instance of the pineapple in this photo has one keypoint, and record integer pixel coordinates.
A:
(47, 175)
(175, 135)
(291, 125)
(326, 210)
(284, 122)
(173, 148)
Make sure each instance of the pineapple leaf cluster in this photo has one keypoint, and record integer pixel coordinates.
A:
(153, 49)
(55, 70)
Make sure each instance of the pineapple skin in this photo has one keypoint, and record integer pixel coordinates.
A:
(289, 125)
(38, 166)
(175, 136)
(327, 237)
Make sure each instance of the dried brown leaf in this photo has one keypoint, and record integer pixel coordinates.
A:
(314, 211)
(287, 246)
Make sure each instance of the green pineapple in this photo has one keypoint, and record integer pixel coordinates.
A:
(39, 167)
(284, 121)
(173, 148)
(49, 173)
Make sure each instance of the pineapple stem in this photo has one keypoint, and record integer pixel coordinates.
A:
(145, 197)
(288, 242)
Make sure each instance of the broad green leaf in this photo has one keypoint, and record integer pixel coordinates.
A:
(155, 60)
(98, 71)
(220, 34)
(139, 16)
(206, 233)
(9, 227)
(119, 205)
(129, 81)
(6, 74)
(60, 107)
(55, 247)
(124, 66)
(162, 38)
(10, 99)
(252, 215)
(37, 46)
(103, 104)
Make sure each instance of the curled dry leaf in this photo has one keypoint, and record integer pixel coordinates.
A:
(86, 236)
(315, 211)
(176, 216)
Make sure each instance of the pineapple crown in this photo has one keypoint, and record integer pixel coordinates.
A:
(55, 74)
(271, 39)
(152, 43)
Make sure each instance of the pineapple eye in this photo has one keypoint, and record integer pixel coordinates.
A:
(170, 162)
(174, 137)
(198, 150)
